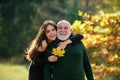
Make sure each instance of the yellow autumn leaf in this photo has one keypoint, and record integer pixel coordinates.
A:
(80, 13)
(58, 52)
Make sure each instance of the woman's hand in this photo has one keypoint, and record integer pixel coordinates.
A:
(62, 45)
(52, 58)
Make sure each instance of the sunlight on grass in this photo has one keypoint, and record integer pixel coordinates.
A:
(13, 72)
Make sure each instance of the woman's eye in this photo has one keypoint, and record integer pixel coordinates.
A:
(53, 29)
(47, 31)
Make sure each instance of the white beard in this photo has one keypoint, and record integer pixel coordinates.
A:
(63, 37)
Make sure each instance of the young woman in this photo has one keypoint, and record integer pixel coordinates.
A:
(35, 52)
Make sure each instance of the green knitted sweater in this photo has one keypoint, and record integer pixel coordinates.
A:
(72, 66)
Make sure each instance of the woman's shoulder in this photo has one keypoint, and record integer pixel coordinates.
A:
(44, 42)
(43, 47)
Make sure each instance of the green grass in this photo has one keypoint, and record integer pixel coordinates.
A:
(13, 72)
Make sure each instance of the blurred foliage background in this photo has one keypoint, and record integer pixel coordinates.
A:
(97, 20)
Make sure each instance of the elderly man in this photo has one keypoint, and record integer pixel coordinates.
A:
(75, 62)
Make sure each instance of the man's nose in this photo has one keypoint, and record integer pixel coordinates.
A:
(62, 29)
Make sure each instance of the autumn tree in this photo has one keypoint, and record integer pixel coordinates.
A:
(102, 39)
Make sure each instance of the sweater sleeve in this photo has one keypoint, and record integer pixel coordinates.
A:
(76, 38)
(86, 64)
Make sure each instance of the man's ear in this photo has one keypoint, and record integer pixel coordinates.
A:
(71, 30)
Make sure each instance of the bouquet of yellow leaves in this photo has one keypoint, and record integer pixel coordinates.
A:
(58, 52)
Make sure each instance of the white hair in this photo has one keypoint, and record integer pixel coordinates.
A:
(65, 21)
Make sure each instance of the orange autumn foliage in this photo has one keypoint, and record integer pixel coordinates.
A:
(102, 32)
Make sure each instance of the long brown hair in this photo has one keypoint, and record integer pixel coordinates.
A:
(33, 47)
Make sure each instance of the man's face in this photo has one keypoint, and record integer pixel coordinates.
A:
(63, 31)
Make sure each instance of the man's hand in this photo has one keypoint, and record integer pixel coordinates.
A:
(52, 58)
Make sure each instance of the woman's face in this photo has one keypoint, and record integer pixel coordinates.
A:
(51, 33)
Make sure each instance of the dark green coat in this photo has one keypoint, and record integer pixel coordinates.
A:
(72, 66)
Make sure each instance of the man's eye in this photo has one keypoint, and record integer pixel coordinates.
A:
(60, 28)
(65, 28)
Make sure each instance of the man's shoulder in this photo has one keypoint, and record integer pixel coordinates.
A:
(80, 43)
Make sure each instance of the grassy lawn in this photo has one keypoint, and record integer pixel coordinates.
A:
(13, 72)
